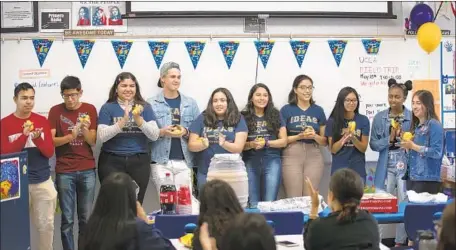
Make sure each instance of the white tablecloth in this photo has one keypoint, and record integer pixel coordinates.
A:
(293, 238)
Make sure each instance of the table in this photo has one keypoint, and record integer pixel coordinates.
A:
(293, 238)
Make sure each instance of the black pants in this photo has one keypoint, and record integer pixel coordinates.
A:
(432, 187)
(137, 166)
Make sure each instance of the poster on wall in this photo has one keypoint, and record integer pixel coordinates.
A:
(10, 183)
(416, 12)
(19, 16)
(99, 15)
(56, 20)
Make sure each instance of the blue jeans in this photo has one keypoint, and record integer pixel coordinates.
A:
(201, 180)
(264, 175)
(395, 185)
(75, 187)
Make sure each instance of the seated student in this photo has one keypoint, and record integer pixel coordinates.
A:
(447, 230)
(346, 227)
(218, 208)
(118, 222)
(247, 232)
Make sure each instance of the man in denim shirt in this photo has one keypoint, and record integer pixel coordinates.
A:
(175, 113)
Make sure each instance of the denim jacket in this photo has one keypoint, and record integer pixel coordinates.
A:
(379, 142)
(189, 111)
(425, 165)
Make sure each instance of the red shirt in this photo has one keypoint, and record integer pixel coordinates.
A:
(76, 155)
(39, 150)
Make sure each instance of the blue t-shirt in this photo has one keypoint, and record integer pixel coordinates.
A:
(349, 156)
(262, 131)
(297, 119)
(131, 140)
(203, 158)
(176, 146)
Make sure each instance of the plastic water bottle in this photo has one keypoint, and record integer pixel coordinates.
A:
(427, 241)
(168, 196)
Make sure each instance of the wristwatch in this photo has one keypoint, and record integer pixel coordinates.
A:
(266, 143)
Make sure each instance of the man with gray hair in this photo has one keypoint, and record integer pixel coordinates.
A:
(174, 112)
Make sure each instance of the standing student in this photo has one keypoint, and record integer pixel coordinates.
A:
(220, 129)
(73, 128)
(348, 147)
(25, 130)
(305, 123)
(267, 135)
(426, 148)
(388, 125)
(174, 111)
(126, 133)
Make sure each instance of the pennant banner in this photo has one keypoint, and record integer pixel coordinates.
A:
(299, 50)
(229, 50)
(264, 49)
(372, 46)
(122, 49)
(195, 49)
(158, 50)
(42, 47)
(337, 49)
(83, 48)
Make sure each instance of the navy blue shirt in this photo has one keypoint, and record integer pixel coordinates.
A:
(349, 156)
(262, 131)
(203, 158)
(297, 119)
(176, 146)
(151, 238)
(131, 140)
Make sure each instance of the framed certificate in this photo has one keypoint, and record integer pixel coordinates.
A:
(19, 17)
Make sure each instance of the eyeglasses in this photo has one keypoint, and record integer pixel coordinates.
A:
(72, 96)
(304, 88)
(351, 101)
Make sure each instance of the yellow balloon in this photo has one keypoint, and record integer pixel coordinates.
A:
(429, 36)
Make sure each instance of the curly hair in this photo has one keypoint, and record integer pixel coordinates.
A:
(271, 113)
(219, 206)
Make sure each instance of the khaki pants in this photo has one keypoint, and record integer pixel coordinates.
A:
(301, 160)
(42, 203)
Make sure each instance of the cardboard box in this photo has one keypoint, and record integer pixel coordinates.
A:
(379, 203)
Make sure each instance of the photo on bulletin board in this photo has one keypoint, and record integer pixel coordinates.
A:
(10, 183)
(99, 15)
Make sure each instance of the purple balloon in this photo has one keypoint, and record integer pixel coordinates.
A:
(421, 14)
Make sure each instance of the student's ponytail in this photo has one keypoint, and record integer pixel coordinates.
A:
(349, 211)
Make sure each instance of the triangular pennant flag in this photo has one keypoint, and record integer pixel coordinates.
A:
(299, 50)
(337, 49)
(195, 49)
(42, 47)
(229, 50)
(158, 50)
(122, 49)
(264, 49)
(372, 46)
(83, 48)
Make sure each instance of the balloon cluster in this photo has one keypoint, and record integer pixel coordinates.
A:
(428, 34)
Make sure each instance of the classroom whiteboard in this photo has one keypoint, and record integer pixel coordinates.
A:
(397, 57)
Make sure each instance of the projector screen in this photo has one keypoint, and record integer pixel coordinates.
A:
(253, 8)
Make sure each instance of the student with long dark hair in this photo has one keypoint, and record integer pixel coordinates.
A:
(126, 126)
(267, 134)
(218, 208)
(348, 146)
(388, 125)
(118, 221)
(347, 227)
(249, 231)
(426, 148)
(220, 129)
(305, 123)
